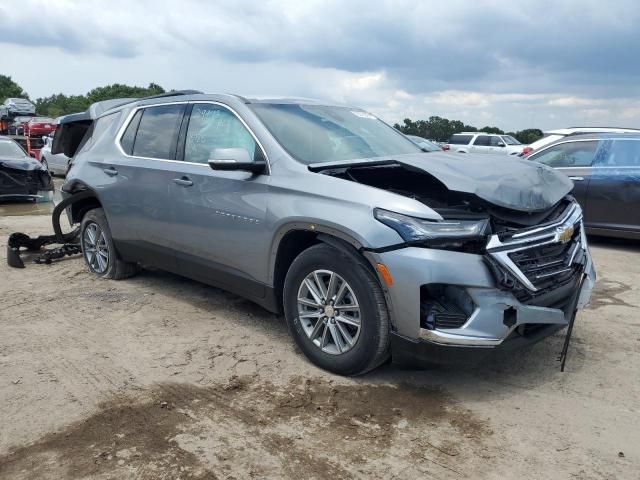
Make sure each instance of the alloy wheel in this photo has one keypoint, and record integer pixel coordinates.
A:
(96, 251)
(329, 312)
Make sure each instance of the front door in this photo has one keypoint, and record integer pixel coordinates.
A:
(574, 159)
(220, 226)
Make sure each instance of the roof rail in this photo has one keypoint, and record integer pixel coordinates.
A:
(173, 93)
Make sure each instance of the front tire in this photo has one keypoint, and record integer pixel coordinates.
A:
(336, 310)
(98, 249)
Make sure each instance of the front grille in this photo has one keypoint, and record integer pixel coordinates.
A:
(537, 260)
(550, 264)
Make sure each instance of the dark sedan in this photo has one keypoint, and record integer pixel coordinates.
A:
(605, 169)
(21, 177)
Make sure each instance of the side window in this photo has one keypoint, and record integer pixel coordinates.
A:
(482, 141)
(213, 126)
(496, 141)
(129, 135)
(620, 153)
(158, 132)
(571, 154)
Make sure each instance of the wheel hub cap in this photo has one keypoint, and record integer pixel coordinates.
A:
(329, 312)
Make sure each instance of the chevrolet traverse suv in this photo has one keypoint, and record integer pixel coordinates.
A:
(371, 247)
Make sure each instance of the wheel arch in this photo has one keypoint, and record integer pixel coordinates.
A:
(90, 201)
(293, 238)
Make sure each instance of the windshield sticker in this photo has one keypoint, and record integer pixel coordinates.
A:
(361, 114)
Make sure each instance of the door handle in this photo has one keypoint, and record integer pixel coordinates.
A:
(112, 172)
(577, 179)
(183, 182)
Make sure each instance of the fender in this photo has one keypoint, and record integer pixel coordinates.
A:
(328, 233)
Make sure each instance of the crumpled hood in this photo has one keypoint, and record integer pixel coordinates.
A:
(26, 163)
(502, 180)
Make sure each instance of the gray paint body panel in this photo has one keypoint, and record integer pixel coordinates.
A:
(234, 220)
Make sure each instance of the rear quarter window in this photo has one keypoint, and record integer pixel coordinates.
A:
(460, 139)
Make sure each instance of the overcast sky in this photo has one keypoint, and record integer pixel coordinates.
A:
(512, 64)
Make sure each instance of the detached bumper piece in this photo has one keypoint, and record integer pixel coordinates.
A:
(19, 241)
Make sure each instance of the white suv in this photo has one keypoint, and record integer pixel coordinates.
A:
(480, 142)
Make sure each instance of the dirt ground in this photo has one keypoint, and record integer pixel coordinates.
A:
(157, 377)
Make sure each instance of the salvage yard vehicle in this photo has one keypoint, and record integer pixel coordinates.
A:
(605, 168)
(39, 126)
(371, 247)
(19, 106)
(21, 177)
(480, 142)
(56, 164)
(552, 136)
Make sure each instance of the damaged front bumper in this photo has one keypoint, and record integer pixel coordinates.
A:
(446, 305)
(24, 184)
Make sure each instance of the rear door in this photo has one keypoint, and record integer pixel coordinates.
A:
(614, 189)
(138, 182)
(574, 159)
(220, 228)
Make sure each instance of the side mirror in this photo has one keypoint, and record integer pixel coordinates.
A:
(231, 159)
(501, 144)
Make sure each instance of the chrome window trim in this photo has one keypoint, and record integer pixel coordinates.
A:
(133, 111)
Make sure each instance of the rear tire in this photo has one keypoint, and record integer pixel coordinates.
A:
(348, 342)
(98, 249)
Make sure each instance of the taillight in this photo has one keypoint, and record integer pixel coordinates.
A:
(527, 150)
(445, 146)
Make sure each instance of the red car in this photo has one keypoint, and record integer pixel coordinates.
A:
(39, 126)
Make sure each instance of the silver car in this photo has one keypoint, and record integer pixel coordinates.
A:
(371, 247)
(19, 106)
(56, 164)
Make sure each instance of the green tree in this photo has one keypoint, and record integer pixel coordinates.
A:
(10, 89)
(528, 135)
(60, 104)
(495, 130)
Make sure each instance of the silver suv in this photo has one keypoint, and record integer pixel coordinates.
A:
(371, 247)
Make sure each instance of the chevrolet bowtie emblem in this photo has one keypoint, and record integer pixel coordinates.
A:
(565, 234)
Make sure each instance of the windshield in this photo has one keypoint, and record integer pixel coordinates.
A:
(509, 140)
(11, 150)
(314, 134)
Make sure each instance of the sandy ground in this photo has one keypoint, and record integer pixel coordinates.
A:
(159, 377)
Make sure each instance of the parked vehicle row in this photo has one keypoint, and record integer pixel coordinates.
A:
(480, 142)
(369, 245)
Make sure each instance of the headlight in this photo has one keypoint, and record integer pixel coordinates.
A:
(415, 229)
